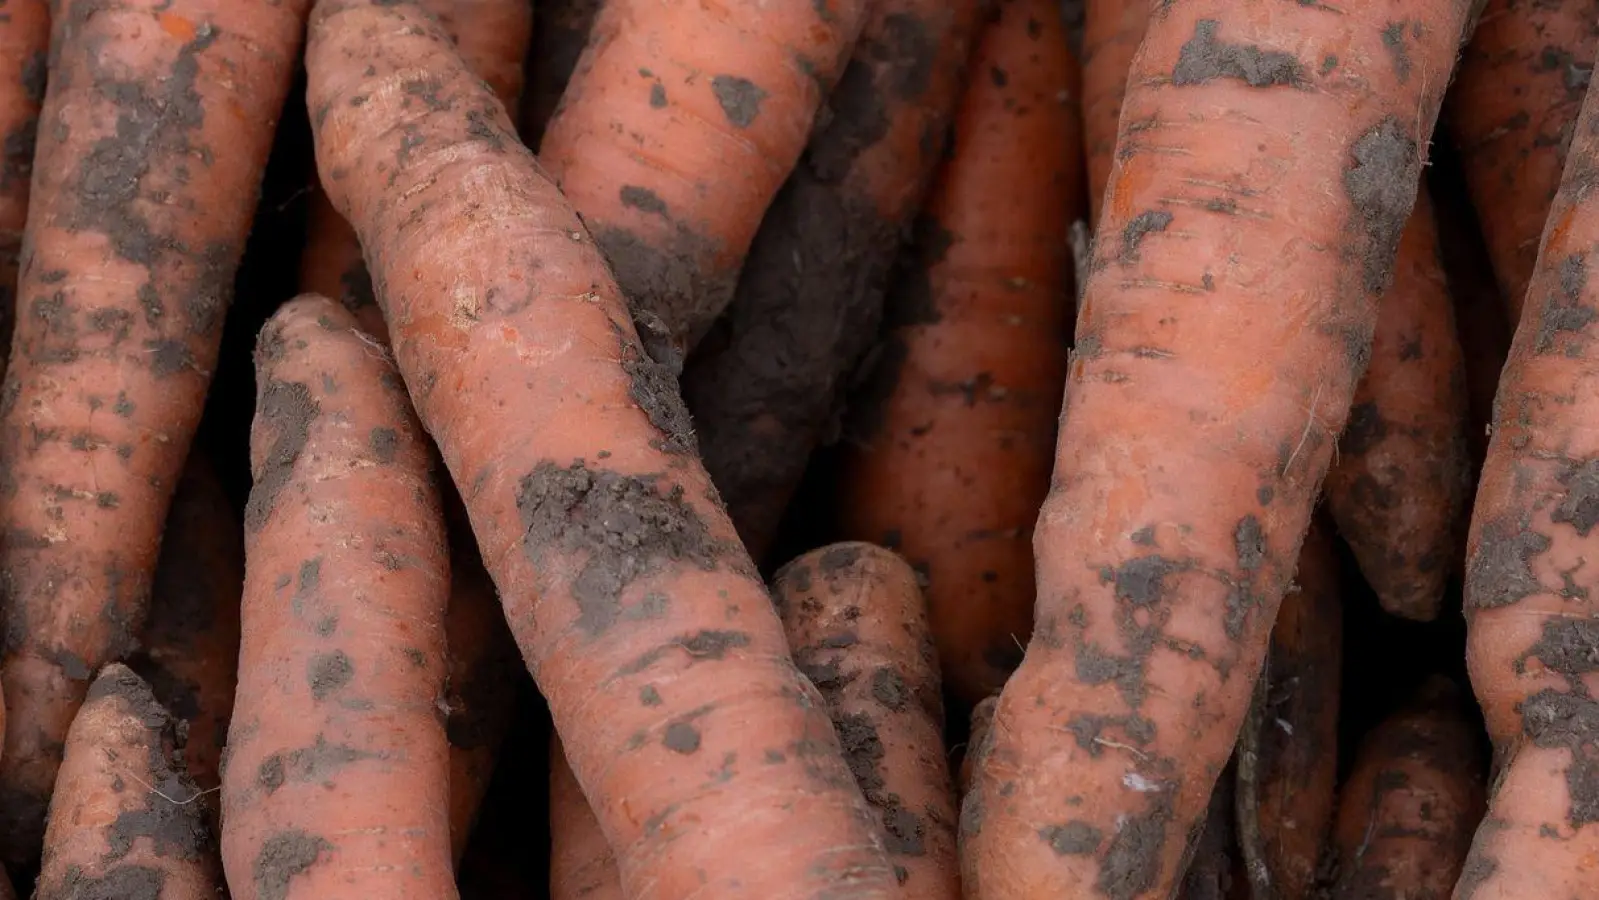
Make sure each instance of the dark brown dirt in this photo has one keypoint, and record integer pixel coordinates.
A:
(739, 98)
(1501, 571)
(329, 673)
(288, 409)
(120, 883)
(1205, 58)
(1381, 185)
(1553, 720)
(316, 763)
(283, 856)
(1565, 311)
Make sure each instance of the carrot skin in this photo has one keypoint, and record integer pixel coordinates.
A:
(337, 780)
(123, 821)
(1213, 862)
(1516, 95)
(24, 42)
(677, 128)
(636, 610)
(857, 623)
(560, 32)
(190, 653)
(766, 384)
(1529, 613)
(582, 863)
(136, 221)
(982, 719)
(952, 438)
(1409, 806)
(1224, 328)
(1112, 33)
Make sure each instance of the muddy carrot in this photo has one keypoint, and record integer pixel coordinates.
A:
(1112, 33)
(154, 133)
(857, 622)
(1225, 324)
(560, 32)
(951, 443)
(123, 819)
(1531, 625)
(1287, 755)
(1213, 861)
(190, 654)
(767, 383)
(1515, 99)
(492, 36)
(981, 720)
(24, 39)
(635, 608)
(679, 124)
(582, 864)
(337, 782)
(1407, 811)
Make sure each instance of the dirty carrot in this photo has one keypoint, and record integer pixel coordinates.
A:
(582, 863)
(982, 719)
(560, 32)
(637, 611)
(337, 782)
(677, 128)
(951, 440)
(1515, 99)
(152, 141)
(1224, 327)
(857, 623)
(1287, 754)
(190, 652)
(767, 383)
(1112, 33)
(124, 818)
(24, 40)
(492, 36)
(1530, 618)
(1213, 870)
(1408, 808)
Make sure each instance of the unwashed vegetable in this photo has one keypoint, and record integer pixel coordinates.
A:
(582, 863)
(24, 38)
(1112, 33)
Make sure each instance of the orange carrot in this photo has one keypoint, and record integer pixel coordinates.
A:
(337, 778)
(492, 36)
(1213, 859)
(635, 608)
(123, 819)
(153, 138)
(1530, 621)
(676, 130)
(190, 656)
(981, 720)
(1410, 804)
(1269, 157)
(24, 38)
(1287, 755)
(767, 383)
(1112, 33)
(951, 449)
(582, 863)
(1514, 102)
(560, 32)
(858, 626)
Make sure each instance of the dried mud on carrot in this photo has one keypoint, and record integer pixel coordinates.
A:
(124, 821)
(153, 137)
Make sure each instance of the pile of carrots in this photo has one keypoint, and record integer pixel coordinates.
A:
(1119, 450)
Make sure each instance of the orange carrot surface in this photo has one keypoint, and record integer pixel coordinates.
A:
(24, 39)
(582, 863)
(1112, 33)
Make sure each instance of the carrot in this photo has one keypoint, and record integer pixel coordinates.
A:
(123, 821)
(767, 384)
(1112, 33)
(676, 130)
(24, 39)
(492, 36)
(1287, 755)
(560, 32)
(1519, 87)
(950, 451)
(1530, 623)
(154, 134)
(1269, 159)
(858, 626)
(1213, 855)
(636, 610)
(190, 656)
(337, 777)
(1409, 806)
(582, 863)
(981, 720)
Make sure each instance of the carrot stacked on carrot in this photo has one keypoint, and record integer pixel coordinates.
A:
(1287, 754)
(337, 779)
(766, 385)
(190, 656)
(560, 32)
(155, 130)
(123, 819)
(636, 610)
(24, 39)
(952, 446)
(582, 863)
(1530, 566)
(1226, 322)
(1112, 33)
(1512, 108)
(677, 128)
(1408, 808)
(858, 626)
